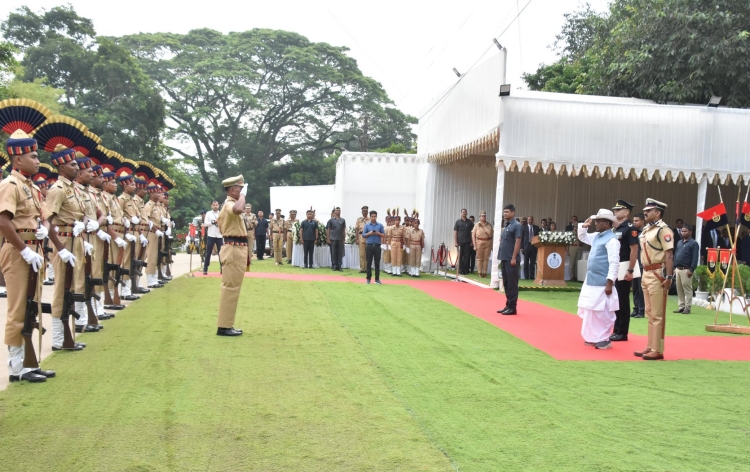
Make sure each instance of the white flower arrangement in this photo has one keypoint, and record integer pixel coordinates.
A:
(558, 237)
(351, 235)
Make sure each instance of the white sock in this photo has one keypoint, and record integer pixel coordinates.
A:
(80, 308)
(15, 360)
(58, 335)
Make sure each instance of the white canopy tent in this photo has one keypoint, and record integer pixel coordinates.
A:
(551, 155)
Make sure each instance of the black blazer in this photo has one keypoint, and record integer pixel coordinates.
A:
(525, 237)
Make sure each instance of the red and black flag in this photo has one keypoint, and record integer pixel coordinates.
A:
(712, 258)
(715, 217)
(724, 256)
(743, 214)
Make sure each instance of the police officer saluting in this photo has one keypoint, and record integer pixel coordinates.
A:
(234, 256)
(627, 235)
(657, 243)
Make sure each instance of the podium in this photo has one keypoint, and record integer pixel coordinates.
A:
(550, 263)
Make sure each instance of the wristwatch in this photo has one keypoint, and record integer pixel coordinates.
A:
(631, 270)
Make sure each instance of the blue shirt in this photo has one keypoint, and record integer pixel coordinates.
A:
(510, 233)
(373, 239)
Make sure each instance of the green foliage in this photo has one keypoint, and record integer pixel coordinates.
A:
(701, 278)
(397, 148)
(681, 51)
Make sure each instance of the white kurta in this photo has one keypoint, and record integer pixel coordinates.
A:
(596, 307)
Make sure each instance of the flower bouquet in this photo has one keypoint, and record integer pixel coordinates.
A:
(562, 238)
(351, 235)
(297, 232)
(322, 240)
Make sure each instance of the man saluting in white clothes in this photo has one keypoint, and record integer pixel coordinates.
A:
(598, 302)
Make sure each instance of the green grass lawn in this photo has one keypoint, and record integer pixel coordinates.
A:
(337, 376)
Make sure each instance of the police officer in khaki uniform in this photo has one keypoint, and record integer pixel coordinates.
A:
(290, 235)
(234, 255)
(65, 203)
(251, 222)
(395, 241)
(361, 243)
(276, 227)
(20, 213)
(131, 220)
(482, 235)
(657, 243)
(104, 233)
(153, 215)
(416, 247)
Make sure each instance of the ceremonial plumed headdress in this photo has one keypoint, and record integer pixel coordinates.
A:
(4, 159)
(108, 164)
(25, 116)
(67, 132)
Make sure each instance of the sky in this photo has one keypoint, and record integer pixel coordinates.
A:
(409, 46)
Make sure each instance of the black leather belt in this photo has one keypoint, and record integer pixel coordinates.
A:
(681, 268)
(235, 239)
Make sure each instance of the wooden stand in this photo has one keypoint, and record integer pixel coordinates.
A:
(549, 256)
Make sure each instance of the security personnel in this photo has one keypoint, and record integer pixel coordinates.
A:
(657, 243)
(20, 211)
(289, 224)
(234, 256)
(115, 225)
(83, 183)
(131, 219)
(627, 234)
(65, 203)
(277, 235)
(153, 215)
(482, 235)
(251, 222)
(387, 267)
(361, 243)
(416, 247)
(102, 234)
(395, 240)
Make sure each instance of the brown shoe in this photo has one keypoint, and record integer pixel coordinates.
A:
(641, 353)
(653, 356)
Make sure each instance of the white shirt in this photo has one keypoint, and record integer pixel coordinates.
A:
(594, 297)
(210, 223)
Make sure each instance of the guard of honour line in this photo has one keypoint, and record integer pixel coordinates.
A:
(63, 224)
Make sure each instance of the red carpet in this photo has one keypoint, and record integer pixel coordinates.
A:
(553, 331)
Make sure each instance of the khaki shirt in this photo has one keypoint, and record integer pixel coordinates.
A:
(113, 207)
(64, 200)
(98, 197)
(140, 204)
(277, 226)
(397, 232)
(483, 231)
(22, 199)
(288, 225)
(416, 237)
(89, 206)
(360, 226)
(152, 213)
(229, 224)
(251, 222)
(655, 240)
(129, 206)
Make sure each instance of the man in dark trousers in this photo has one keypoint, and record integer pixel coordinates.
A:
(374, 234)
(627, 235)
(336, 235)
(473, 254)
(510, 246)
(462, 240)
(309, 234)
(261, 233)
(529, 250)
(639, 308)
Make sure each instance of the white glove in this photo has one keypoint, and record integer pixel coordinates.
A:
(135, 220)
(66, 257)
(120, 242)
(383, 247)
(92, 226)
(243, 192)
(150, 224)
(41, 233)
(144, 240)
(110, 220)
(88, 249)
(104, 236)
(126, 223)
(32, 258)
(422, 250)
(169, 231)
(159, 233)
(407, 250)
(164, 221)
(78, 228)
(130, 237)
(174, 224)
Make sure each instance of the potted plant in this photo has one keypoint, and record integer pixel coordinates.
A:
(701, 282)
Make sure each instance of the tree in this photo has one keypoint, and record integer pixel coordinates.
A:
(681, 51)
(244, 101)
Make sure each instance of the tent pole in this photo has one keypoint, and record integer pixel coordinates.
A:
(500, 190)
(700, 206)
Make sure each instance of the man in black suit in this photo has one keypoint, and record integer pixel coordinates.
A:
(529, 251)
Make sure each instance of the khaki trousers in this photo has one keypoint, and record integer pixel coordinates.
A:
(415, 256)
(289, 245)
(362, 254)
(278, 247)
(396, 253)
(483, 256)
(96, 256)
(234, 262)
(16, 272)
(574, 253)
(387, 256)
(152, 253)
(59, 266)
(653, 299)
(250, 244)
(684, 288)
(114, 254)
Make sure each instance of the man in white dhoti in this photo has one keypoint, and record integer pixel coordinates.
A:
(598, 302)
